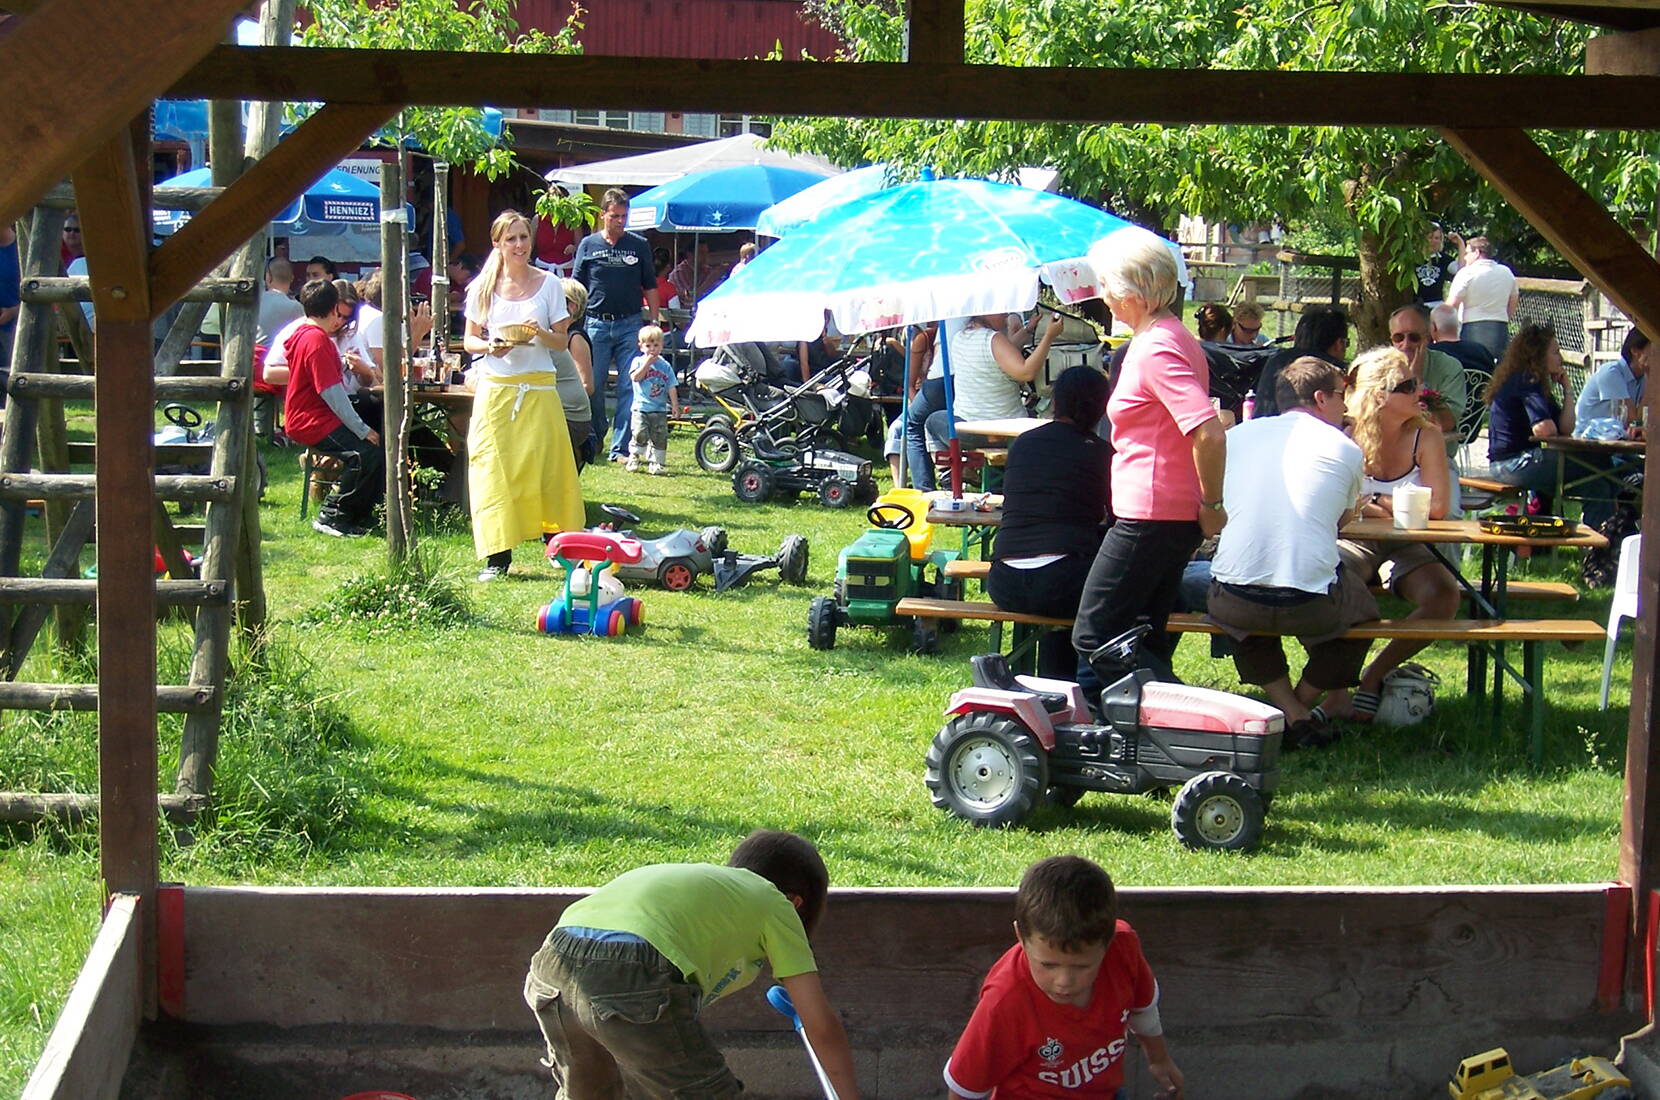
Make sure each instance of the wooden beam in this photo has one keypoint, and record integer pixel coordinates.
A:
(115, 226)
(1626, 15)
(1575, 223)
(87, 1053)
(72, 76)
(934, 31)
(1633, 53)
(116, 223)
(203, 242)
(924, 90)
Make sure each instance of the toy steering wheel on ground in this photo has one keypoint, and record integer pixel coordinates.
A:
(891, 516)
(181, 416)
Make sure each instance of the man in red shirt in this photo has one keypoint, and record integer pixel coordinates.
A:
(318, 414)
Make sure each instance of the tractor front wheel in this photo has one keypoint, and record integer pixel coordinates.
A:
(752, 482)
(987, 769)
(1218, 810)
(835, 492)
(792, 560)
(822, 614)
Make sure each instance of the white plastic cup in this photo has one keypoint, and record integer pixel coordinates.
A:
(1411, 507)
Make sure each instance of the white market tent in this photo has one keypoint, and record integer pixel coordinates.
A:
(651, 169)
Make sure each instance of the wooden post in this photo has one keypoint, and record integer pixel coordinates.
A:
(36, 333)
(934, 31)
(276, 26)
(399, 530)
(115, 215)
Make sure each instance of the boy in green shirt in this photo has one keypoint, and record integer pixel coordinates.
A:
(618, 984)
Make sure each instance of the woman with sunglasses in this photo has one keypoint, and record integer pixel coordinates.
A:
(1402, 446)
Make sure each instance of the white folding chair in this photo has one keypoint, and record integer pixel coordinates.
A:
(1624, 605)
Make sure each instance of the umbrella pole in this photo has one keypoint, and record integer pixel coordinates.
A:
(955, 447)
(905, 477)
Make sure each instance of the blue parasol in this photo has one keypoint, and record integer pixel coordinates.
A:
(339, 198)
(717, 200)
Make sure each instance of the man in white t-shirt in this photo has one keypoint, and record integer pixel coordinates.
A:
(1485, 294)
(1292, 481)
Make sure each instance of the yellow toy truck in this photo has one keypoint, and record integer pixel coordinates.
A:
(1490, 1076)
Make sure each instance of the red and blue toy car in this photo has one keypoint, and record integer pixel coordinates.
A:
(590, 612)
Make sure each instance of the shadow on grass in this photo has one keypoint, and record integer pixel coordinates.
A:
(574, 816)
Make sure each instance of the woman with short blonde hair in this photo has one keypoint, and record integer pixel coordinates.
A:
(1167, 464)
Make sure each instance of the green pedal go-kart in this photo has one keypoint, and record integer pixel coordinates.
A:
(895, 559)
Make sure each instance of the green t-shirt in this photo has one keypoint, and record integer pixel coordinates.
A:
(719, 925)
(1445, 375)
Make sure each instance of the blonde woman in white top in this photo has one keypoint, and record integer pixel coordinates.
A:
(521, 473)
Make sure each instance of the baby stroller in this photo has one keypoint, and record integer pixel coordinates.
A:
(825, 410)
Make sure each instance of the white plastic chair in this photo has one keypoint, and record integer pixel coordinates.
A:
(1624, 605)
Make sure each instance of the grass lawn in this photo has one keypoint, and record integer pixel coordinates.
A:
(474, 751)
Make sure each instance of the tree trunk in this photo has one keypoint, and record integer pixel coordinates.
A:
(400, 535)
(1380, 292)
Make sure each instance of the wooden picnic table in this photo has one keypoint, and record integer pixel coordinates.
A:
(1489, 600)
(1002, 430)
(1593, 459)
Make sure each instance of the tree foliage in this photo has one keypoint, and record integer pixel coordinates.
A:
(454, 134)
(1381, 185)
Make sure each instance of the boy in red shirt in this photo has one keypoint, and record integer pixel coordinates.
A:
(1052, 1012)
(317, 414)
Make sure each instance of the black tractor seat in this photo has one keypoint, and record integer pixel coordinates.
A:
(991, 670)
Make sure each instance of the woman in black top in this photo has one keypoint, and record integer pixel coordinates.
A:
(1056, 503)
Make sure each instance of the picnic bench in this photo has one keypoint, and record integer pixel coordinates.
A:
(1530, 634)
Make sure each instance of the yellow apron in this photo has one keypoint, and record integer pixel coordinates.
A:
(520, 469)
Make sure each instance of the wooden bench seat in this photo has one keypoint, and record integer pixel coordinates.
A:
(975, 569)
(1428, 630)
(1489, 486)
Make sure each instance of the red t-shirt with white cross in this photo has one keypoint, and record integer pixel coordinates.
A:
(1021, 1044)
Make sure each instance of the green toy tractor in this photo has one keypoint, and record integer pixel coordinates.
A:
(895, 559)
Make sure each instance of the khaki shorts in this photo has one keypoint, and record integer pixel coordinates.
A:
(1385, 563)
(618, 1016)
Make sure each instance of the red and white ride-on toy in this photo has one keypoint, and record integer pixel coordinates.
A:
(586, 606)
(1014, 742)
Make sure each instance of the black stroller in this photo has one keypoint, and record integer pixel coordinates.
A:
(833, 408)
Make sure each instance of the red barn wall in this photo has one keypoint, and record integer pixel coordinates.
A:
(732, 29)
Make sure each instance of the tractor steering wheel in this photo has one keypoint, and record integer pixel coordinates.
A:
(181, 416)
(618, 512)
(890, 516)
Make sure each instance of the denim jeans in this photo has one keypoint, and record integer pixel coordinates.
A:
(362, 479)
(1137, 575)
(615, 343)
(1492, 335)
(929, 399)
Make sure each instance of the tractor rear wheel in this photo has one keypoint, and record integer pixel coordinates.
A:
(986, 768)
(792, 559)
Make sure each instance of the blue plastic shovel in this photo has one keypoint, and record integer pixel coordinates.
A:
(779, 998)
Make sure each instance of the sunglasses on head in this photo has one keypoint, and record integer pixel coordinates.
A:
(1406, 385)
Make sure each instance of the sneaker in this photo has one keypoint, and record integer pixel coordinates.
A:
(656, 468)
(632, 466)
(492, 572)
(337, 528)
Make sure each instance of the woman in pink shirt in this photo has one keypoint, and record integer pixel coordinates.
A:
(1168, 454)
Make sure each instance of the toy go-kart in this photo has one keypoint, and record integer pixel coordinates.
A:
(883, 566)
(675, 560)
(592, 611)
(1015, 741)
(839, 478)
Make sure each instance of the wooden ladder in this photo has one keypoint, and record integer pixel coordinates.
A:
(229, 492)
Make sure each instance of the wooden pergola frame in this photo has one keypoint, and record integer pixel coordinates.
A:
(88, 119)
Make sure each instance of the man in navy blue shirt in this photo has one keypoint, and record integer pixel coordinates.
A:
(11, 283)
(617, 268)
